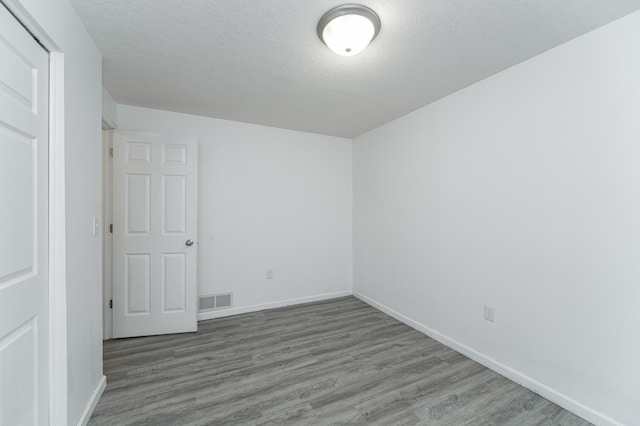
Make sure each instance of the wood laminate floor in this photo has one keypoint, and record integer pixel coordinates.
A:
(336, 362)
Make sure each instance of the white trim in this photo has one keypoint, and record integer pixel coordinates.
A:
(541, 389)
(279, 304)
(57, 229)
(57, 245)
(88, 411)
(107, 236)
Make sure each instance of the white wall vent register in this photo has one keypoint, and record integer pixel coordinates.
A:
(215, 301)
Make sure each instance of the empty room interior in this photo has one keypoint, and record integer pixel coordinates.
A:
(312, 212)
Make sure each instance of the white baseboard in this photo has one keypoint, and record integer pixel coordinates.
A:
(541, 389)
(254, 308)
(88, 411)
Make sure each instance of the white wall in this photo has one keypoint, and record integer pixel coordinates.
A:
(82, 118)
(521, 192)
(109, 110)
(268, 199)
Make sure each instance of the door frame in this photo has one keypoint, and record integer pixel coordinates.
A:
(107, 236)
(57, 231)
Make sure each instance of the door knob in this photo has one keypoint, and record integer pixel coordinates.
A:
(189, 243)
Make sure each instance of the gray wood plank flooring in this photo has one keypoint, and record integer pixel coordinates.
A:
(336, 362)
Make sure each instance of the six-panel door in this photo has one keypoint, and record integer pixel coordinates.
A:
(24, 232)
(155, 220)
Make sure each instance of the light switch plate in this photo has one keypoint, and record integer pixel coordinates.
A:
(96, 226)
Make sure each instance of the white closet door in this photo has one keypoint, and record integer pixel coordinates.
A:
(24, 281)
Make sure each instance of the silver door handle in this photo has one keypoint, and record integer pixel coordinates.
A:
(189, 243)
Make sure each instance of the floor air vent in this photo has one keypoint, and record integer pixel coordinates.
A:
(214, 302)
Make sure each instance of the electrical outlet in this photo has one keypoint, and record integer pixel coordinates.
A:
(489, 313)
(269, 274)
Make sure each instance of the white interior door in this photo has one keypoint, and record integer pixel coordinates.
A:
(24, 232)
(154, 233)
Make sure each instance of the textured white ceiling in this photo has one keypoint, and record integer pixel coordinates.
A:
(260, 61)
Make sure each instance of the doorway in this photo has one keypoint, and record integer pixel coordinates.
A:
(150, 241)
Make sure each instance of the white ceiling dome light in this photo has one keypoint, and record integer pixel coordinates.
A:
(348, 29)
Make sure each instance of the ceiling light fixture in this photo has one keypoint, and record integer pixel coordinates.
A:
(348, 29)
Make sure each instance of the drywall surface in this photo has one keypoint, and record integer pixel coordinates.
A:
(521, 192)
(82, 143)
(109, 110)
(269, 199)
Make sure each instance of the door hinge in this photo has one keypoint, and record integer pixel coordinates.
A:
(111, 228)
(110, 152)
(111, 304)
